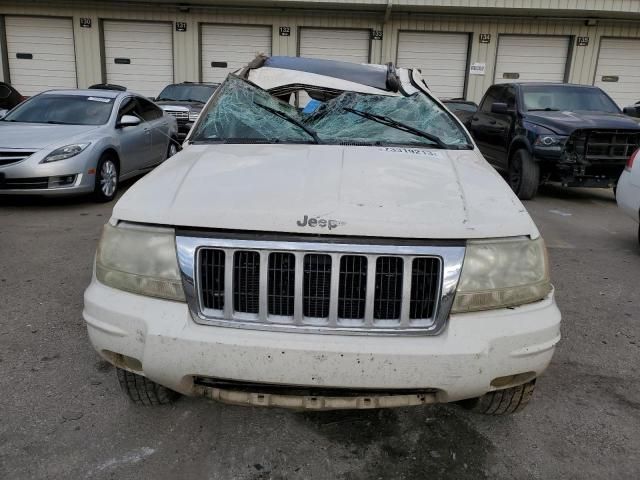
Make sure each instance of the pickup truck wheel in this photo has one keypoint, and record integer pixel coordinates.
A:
(143, 391)
(501, 402)
(524, 174)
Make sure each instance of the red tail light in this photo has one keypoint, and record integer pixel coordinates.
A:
(633, 156)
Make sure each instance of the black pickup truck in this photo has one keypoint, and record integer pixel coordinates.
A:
(546, 132)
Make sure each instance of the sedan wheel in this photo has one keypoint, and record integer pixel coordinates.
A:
(172, 150)
(106, 180)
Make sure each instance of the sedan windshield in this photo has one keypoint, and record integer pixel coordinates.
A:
(187, 93)
(243, 112)
(565, 98)
(63, 110)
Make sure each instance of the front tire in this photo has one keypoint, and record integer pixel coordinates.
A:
(502, 402)
(524, 174)
(143, 391)
(107, 179)
(173, 148)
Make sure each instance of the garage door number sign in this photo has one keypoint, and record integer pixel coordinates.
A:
(85, 22)
(582, 41)
(181, 26)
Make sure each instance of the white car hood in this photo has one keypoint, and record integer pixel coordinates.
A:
(365, 191)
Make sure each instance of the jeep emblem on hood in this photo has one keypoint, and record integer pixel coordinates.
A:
(318, 222)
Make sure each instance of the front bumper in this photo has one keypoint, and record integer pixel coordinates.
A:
(30, 177)
(172, 350)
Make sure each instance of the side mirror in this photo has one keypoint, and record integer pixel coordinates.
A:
(153, 99)
(3, 113)
(128, 121)
(632, 111)
(500, 108)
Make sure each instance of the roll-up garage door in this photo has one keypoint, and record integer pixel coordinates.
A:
(41, 53)
(531, 58)
(442, 58)
(226, 48)
(138, 55)
(335, 44)
(618, 71)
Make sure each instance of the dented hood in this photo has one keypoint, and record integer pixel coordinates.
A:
(355, 190)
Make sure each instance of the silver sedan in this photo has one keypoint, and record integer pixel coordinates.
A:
(82, 141)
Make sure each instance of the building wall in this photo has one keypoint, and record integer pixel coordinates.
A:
(187, 52)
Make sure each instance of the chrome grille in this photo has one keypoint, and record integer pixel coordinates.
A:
(180, 115)
(352, 292)
(212, 279)
(7, 157)
(319, 287)
(388, 298)
(424, 285)
(246, 282)
(281, 283)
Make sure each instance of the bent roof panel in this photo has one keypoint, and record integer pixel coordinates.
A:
(372, 75)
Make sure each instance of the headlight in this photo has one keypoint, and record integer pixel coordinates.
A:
(546, 141)
(193, 115)
(65, 152)
(502, 273)
(139, 259)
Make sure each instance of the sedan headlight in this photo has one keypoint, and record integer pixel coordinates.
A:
(502, 273)
(550, 141)
(193, 115)
(139, 259)
(65, 152)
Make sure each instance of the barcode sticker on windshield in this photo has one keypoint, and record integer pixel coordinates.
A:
(99, 99)
(413, 151)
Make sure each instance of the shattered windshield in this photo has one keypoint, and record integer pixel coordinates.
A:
(242, 112)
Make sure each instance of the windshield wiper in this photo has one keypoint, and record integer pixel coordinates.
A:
(54, 122)
(289, 119)
(546, 109)
(390, 122)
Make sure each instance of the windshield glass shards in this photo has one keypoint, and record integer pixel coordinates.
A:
(242, 111)
(238, 114)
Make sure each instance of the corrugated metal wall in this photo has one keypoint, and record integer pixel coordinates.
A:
(186, 44)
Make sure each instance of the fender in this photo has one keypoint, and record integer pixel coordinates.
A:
(520, 141)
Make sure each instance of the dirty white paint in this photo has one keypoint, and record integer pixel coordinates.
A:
(133, 456)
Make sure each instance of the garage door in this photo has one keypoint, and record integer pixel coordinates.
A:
(138, 55)
(335, 44)
(41, 53)
(618, 71)
(442, 57)
(226, 48)
(531, 58)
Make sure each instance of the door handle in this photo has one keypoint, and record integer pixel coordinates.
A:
(475, 118)
(492, 122)
(496, 130)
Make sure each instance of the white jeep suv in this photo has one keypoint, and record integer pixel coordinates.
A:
(329, 238)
